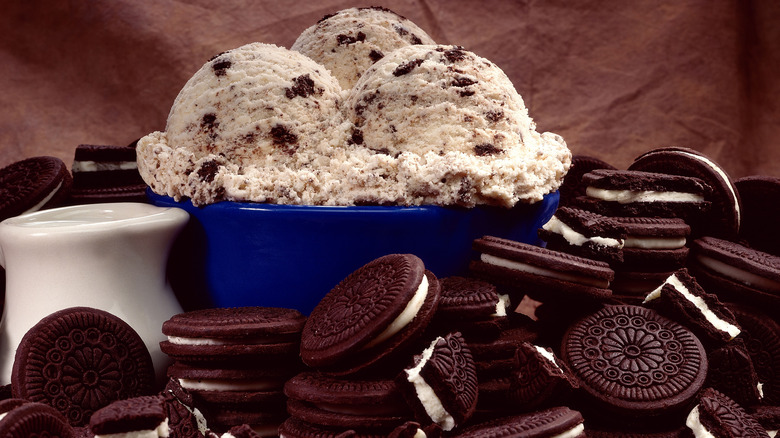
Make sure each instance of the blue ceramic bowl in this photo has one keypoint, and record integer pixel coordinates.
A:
(248, 254)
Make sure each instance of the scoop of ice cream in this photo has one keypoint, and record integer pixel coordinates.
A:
(454, 128)
(254, 108)
(349, 41)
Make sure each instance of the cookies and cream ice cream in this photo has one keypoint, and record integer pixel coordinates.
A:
(424, 125)
(351, 40)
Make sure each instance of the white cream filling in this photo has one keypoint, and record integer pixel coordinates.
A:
(699, 303)
(501, 305)
(725, 179)
(410, 311)
(420, 434)
(771, 433)
(43, 202)
(547, 355)
(739, 275)
(179, 340)
(228, 385)
(630, 196)
(555, 225)
(760, 387)
(95, 166)
(3, 415)
(695, 425)
(433, 407)
(160, 431)
(524, 267)
(645, 242)
(571, 433)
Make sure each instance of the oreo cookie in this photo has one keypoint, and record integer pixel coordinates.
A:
(243, 333)
(184, 419)
(472, 305)
(33, 184)
(295, 428)
(682, 299)
(540, 273)
(572, 186)
(653, 244)
(540, 379)
(718, 415)
(552, 422)
(724, 219)
(79, 360)
(633, 364)
(371, 315)
(106, 173)
(585, 234)
(735, 272)
(20, 418)
(760, 198)
(346, 402)
(735, 375)
(441, 385)
(761, 334)
(144, 416)
(645, 194)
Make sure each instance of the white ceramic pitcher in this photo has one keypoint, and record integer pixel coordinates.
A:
(108, 256)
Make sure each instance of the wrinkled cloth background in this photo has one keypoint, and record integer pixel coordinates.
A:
(614, 78)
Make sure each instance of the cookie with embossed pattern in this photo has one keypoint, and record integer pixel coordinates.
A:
(245, 332)
(735, 272)
(371, 315)
(136, 415)
(725, 216)
(553, 422)
(540, 273)
(20, 418)
(441, 385)
(540, 380)
(33, 184)
(79, 360)
(720, 416)
(635, 363)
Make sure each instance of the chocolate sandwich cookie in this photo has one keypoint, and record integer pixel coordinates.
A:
(371, 315)
(718, 415)
(645, 194)
(20, 418)
(472, 305)
(232, 334)
(295, 428)
(540, 379)
(734, 374)
(184, 419)
(724, 219)
(631, 287)
(585, 234)
(760, 197)
(653, 244)
(634, 363)
(106, 173)
(761, 334)
(346, 402)
(572, 186)
(682, 299)
(137, 416)
(552, 422)
(79, 360)
(735, 272)
(441, 384)
(219, 385)
(33, 184)
(540, 273)
(264, 423)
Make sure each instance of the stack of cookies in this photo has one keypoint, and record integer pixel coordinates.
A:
(234, 363)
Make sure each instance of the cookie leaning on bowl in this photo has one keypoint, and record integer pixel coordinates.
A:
(371, 316)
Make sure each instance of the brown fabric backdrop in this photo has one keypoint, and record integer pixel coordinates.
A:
(615, 78)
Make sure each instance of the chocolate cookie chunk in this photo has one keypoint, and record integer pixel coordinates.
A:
(540, 380)
(761, 334)
(735, 375)
(373, 312)
(724, 219)
(441, 385)
(633, 362)
(33, 184)
(718, 415)
(79, 360)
